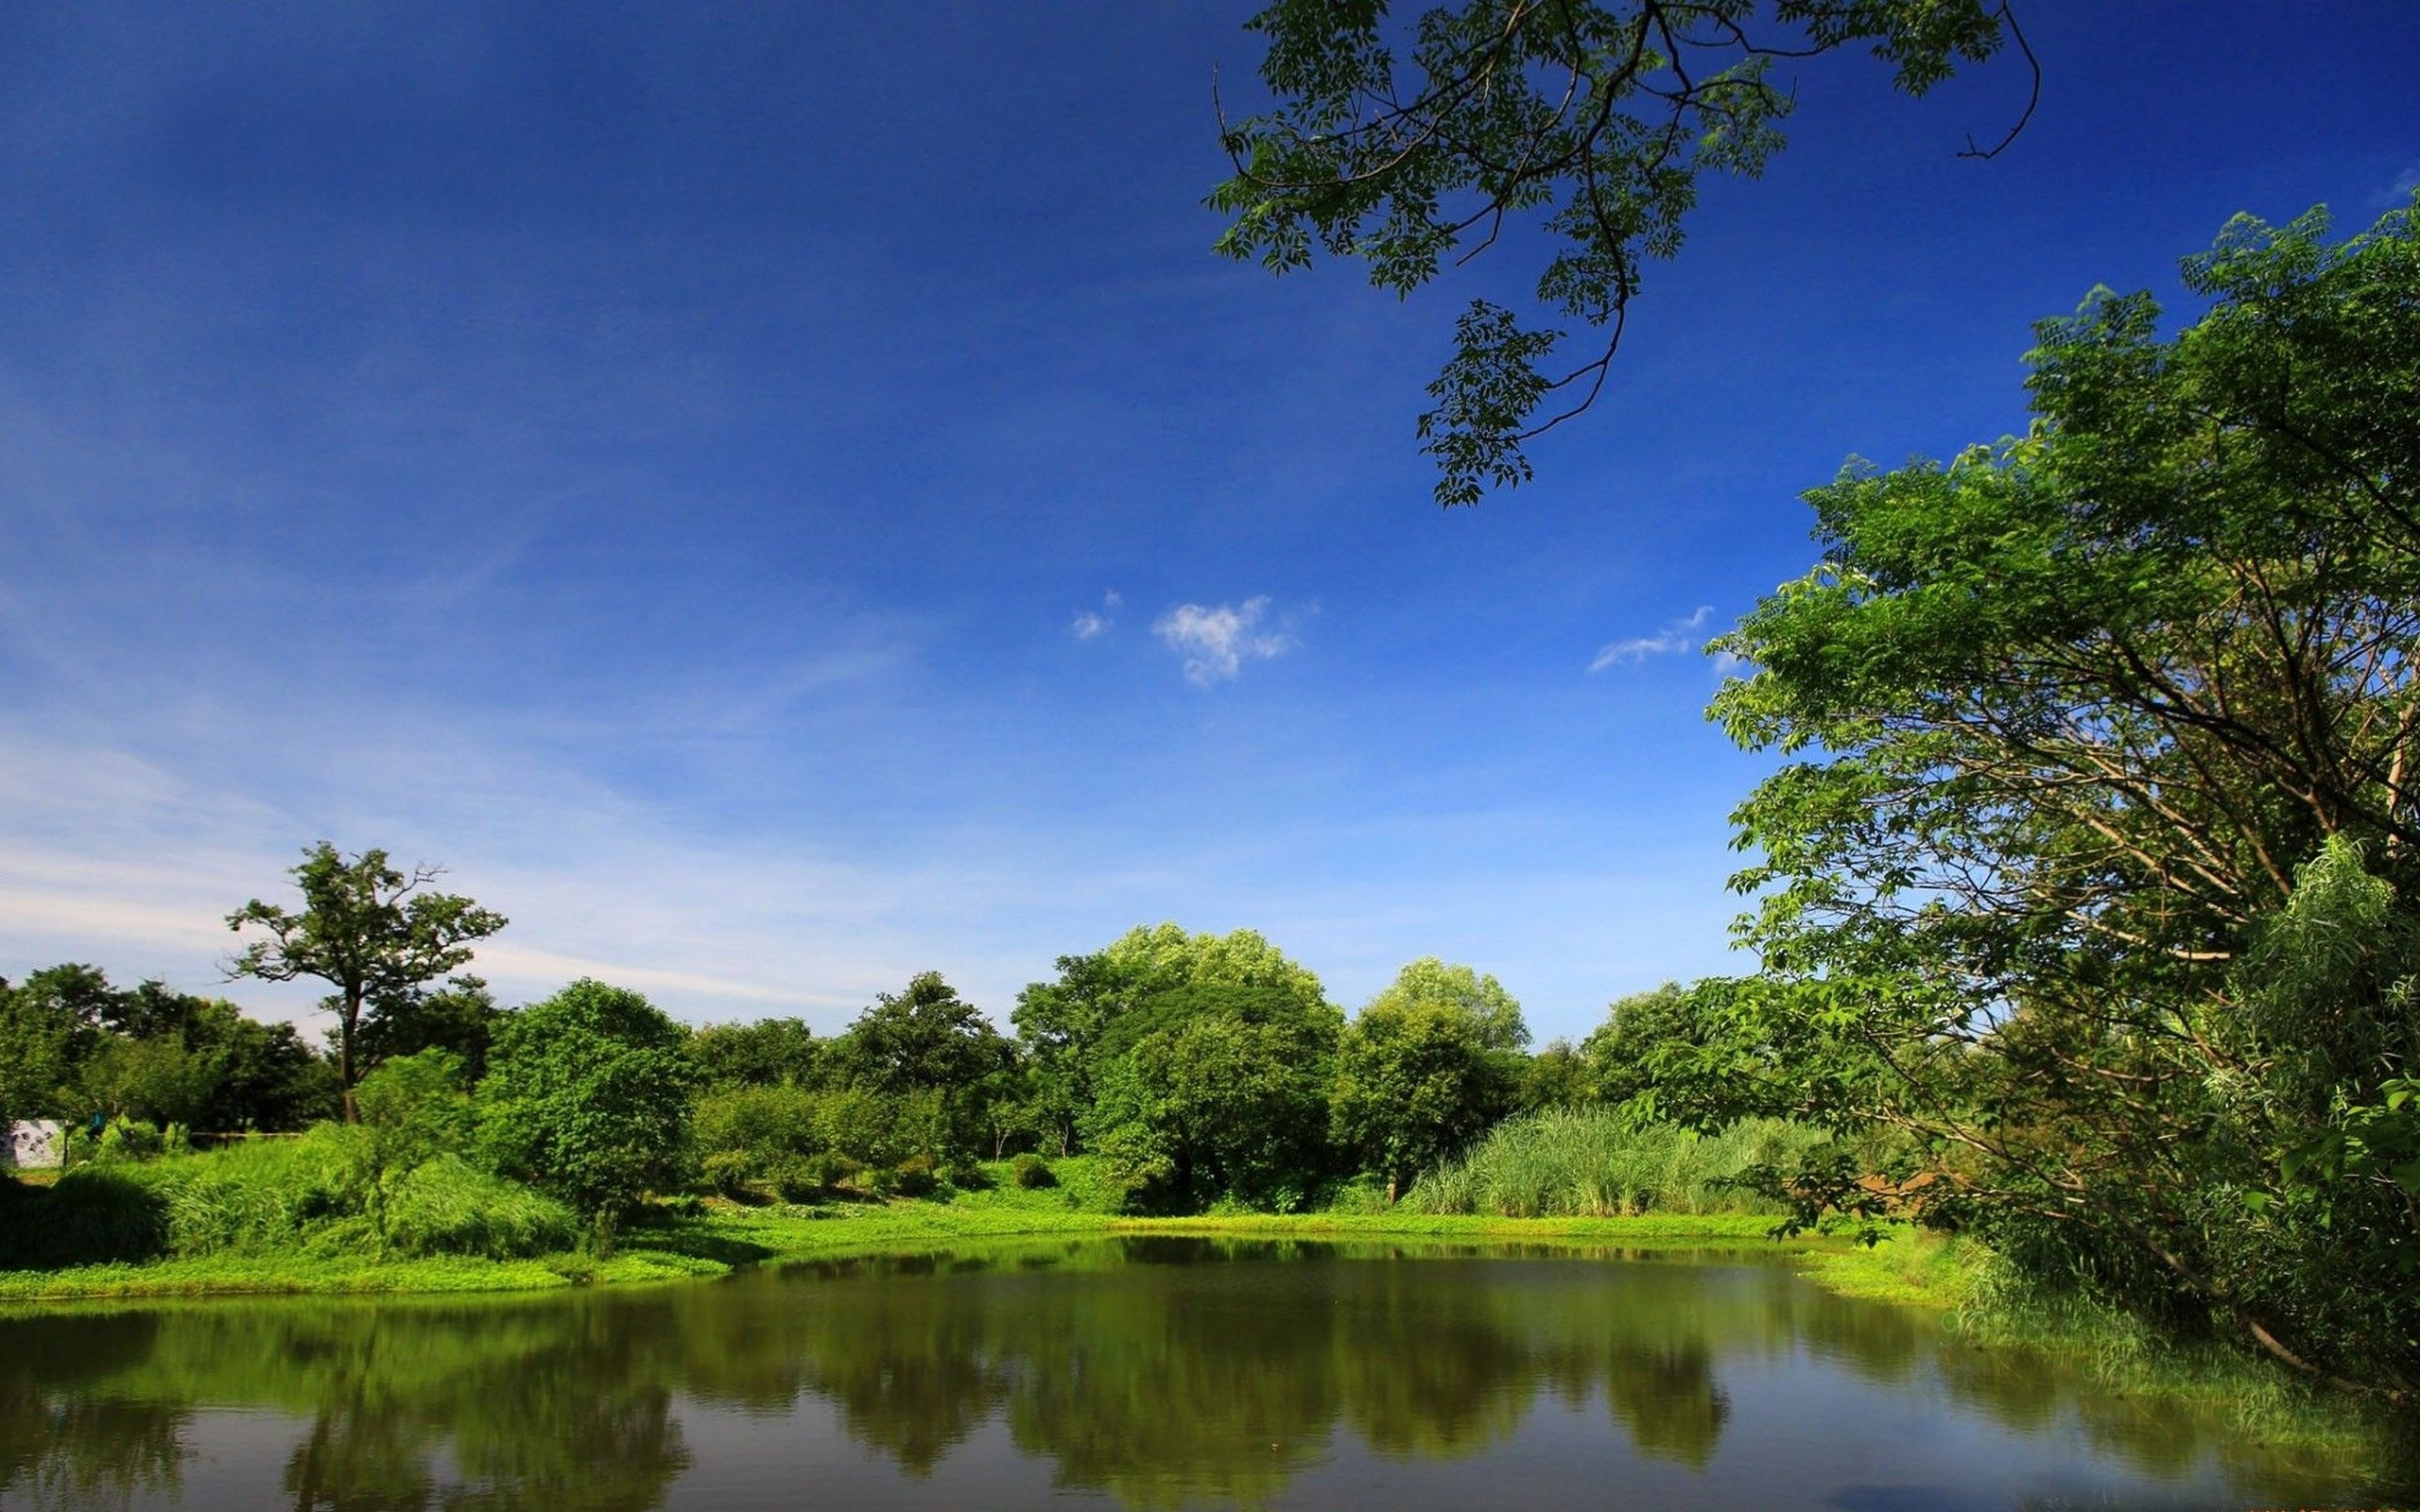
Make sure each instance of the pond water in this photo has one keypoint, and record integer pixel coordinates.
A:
(1145, 1373)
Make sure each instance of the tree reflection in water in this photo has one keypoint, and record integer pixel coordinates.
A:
(1166, 1371)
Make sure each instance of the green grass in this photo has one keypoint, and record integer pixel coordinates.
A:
(254, 1244)
(1592, 1163)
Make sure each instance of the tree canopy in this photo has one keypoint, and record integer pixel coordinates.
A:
(1410, 147)
(2097, 869)
(365, 928)
(587, 1097)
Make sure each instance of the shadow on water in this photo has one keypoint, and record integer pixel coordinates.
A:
(1159, 1371)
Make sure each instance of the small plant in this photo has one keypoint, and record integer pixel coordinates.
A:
(1031, 1173)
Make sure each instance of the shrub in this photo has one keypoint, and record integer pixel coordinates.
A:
(729, 1173)
(1032, 1171)
(94, 1215)
(587, 1096)
(446, 1206)
(913, 1176)
(1596, 1163)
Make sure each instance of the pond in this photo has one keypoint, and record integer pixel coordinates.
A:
(1145, 1373)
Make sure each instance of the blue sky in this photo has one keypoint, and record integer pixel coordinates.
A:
(780, 498)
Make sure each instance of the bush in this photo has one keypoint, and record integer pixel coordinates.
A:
(1032, 1171)
(92, 1216)
(728, 1172)
(128, 1138)
(587, 1096)
(913, 1176)
(445, 1207)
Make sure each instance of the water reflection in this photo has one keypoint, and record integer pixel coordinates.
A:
(1157, 1372)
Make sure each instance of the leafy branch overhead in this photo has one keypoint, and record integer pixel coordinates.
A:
(1411, 149)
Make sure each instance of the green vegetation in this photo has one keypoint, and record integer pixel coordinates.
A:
(1591, 121)
(2087, 902)
(1596, 1163)
(2094, 883)
(76, 1049)
(587, 1098)
(365, 929)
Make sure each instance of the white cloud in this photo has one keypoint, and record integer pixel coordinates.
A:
(1216, 642)
(2399, 191)
(1673, 639)
(1094, 622)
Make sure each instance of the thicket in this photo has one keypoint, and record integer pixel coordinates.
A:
(1601, 1162)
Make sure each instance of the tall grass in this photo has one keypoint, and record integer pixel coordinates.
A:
(1591, 1164)
(317, 1194)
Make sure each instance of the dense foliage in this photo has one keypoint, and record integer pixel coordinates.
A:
(587, 1097)
(74, 1048)
(2098, 874)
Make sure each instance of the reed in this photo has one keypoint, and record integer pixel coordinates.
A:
(1595, 1163)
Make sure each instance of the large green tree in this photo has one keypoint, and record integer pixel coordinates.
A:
(1216, 1090)
(1425, 1068)
(1065, 1026)
(2095, 873)
(50, 1025)
(1411, 145)
(371, 931)
(587, 1096)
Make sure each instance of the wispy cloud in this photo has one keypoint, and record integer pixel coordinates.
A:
(2406, 185)
(1216, 642)
(1094, 621)
(1672, 640)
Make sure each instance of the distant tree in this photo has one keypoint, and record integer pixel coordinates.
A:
(1214, 1091)
(458, 1017)
(50, 1025)
(1064, 1026)
(928, 1040)
(587, 1096)
(1060, 1025)
(365, 928)
(1411, 146)
(1494, 1014)
(1424, 1069)
(1641, 1031)
(1556, 1077)
(760, 1053)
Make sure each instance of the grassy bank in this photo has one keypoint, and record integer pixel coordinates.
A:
(715, 1237)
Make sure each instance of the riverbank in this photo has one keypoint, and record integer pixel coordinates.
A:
(715, 1238)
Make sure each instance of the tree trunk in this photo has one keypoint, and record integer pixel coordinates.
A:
(346, 1018)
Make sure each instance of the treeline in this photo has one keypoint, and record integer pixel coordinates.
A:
(76, 1049)
(1197, 1069)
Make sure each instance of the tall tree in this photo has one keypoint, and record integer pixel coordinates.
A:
(365, 928)
(1410, 147)
(2096, 875)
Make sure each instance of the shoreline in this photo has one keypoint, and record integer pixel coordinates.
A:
(727, 1238)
